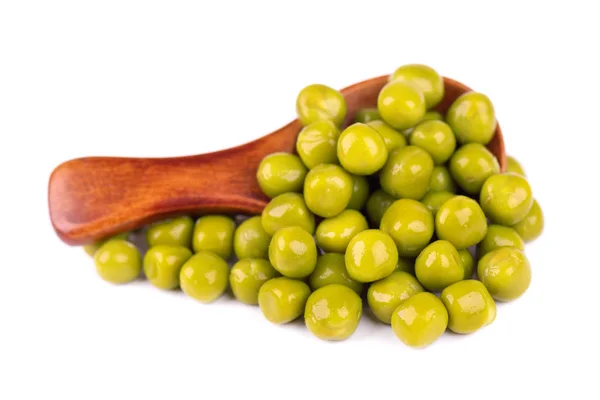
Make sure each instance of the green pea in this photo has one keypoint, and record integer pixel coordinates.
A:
(441, 181)
(470, 306)
(471, 165)
(288, 209)
(334, 234)
(401, 104)
(436, 138)
(293, 252)
(512, 165)
(531, 227)
(420, 320)
(472, 118)
(92, 248)
(407, 173)
(204, 276)
(327, 190)
(366, 115)
(427, 80)
(506, 198)
(250, 239)
(172, 232)
(333, 312)
(282, 300)
(499, 236)
(331, 269)
(280, 173)
(467, 262)
(434, 200)
(162, 265)
(214, 233)
(392, 138)
(360, 192)
(371, 255)
(410, 225)
(461, 221)
(385, 296)
(438, 266)
(320, 103)
(505, 272)
(377, 204)
(118, 261)
(247, 276)
(361, 150)
(317, 144)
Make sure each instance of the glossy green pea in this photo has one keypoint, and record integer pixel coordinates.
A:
(385, 296)
(173, 232)
(320, 103)
(470, 306)
(499, 236)
(506, 198)
(361, 150)
(204, 276)
(331, 269)
(333, 234)
(436, 138)
(410, 224)
(360, 192)
(467, 262)
(247, 276)
(441, 181)
(162, 265)
(439, 266)
(392, 138)
(471, 165)
(505, 272)
(532, 226)
(317, 144)
(92, 248)
(327, 190)
(406, 265)
(377, 204)
(366, 115)
(371, 255)
(512, 165)
(280, 173)
(214, 233)
(118, 261)
(428, 81)
(434, 200)
(432, 116)
(251, 240)
(461, 221)
(282, 300)
(401, 104)
(472, 118)
(333, 312)
(407, 173)
(288, 209)
(293, 252)
(420, 320)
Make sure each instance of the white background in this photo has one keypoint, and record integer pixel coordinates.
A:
(170, 78)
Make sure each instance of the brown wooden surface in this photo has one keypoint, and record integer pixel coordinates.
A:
(95, 197)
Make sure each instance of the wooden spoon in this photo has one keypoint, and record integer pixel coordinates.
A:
(97, 197)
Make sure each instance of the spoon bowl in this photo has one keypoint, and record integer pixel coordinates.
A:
(96, 197)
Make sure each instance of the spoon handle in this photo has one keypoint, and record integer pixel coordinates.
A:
(96, 197)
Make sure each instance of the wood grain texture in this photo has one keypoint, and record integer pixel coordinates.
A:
(96, 197)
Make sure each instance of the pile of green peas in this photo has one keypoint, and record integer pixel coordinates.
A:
(405, 210)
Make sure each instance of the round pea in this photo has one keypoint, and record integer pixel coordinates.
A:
(282, 300)
(251, 240)
(385, 296)
(401, 104)
(333, 312)
(432, 116)
(247, 276)
(214, 233)
(436, 138)
(470, 306)
(472, 118)
(377, 204)
(118, 261)
(361, 150)
(410, 225)
(280, 173)
(366, 115)
(531, 227)
(293, 252)
(163, 263)
(506, 198)
(434, 200)
(204, 276)
(471, 165)
(441, 181)
(331, 269)
(499, 236)
(288, 209)
(327, 190)
(320, 103)
(425, 78)
(420, 320)
(438, 266)
(505, 272)
(371, 255)
(360, 192)
(460, 221)
(467, 262)
(173, 232)
(512, 165)
(407, 173)
(317, 144)
(392, 138)
(334, 234)
(92, 248)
